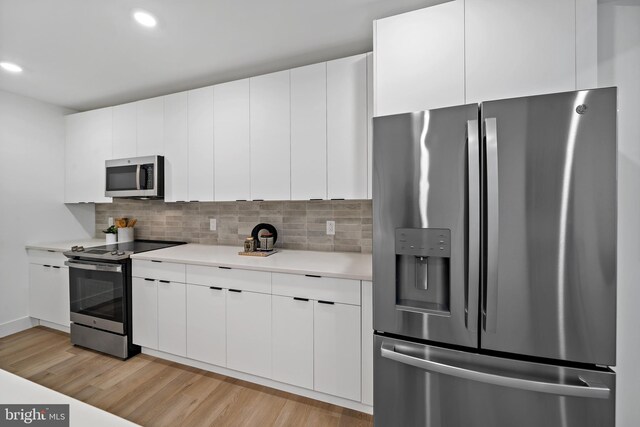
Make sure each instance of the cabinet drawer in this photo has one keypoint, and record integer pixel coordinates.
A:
(246, 280)
(37, 256)
(345, 291)
(159, 270)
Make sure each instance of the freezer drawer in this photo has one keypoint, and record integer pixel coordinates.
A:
(419, 385)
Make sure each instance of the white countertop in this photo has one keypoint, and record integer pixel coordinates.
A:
(344, 265)
(17, 390)
(66, 245)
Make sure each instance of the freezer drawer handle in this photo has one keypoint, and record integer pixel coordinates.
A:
(590, 390)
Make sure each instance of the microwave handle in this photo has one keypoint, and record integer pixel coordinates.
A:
(138, 178)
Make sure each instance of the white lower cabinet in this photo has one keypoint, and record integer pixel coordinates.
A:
(144, 301)
(292, 340)
(172, 317)
(49, 293)
(336, 349)
(206, 324)
(249, 332)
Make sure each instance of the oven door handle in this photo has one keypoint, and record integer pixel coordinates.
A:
(98, 266)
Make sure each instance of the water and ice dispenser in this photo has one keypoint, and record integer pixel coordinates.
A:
(422, 269)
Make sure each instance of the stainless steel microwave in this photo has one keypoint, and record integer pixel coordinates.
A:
(135, 178)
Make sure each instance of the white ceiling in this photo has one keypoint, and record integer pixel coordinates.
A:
(85, 54)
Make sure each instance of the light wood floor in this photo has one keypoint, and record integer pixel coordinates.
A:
(154, 392)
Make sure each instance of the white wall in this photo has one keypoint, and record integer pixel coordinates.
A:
(31, 195)
(619, 65)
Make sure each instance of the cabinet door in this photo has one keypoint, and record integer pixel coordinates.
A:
(270, 137)
(232, 140)
(200, 124)
(309, 132)
(292, 344)
(150, 127)
(172, 317)
(336, 361)
(367, 343)
(125, 136)
(206, 324)
(419, 59)
(249, 332)
(176, 164)
(49, 293)
(144, 309)
(519, 48)
(347, 128)
(88, 146)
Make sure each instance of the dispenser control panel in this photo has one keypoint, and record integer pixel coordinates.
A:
(423, 242)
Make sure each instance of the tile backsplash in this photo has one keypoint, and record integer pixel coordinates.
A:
(300, 224)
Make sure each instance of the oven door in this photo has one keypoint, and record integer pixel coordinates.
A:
(97, 294)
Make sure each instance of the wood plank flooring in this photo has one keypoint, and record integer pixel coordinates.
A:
(155, 392)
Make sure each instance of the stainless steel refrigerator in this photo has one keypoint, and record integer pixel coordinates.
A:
(494, 263)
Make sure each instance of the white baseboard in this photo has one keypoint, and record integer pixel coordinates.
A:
(55, 326)
(334, 400)
(17, 325)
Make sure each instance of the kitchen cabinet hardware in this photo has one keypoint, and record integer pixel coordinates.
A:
(241, 200)
(194, 201)
(215, 288)
(258, 200)
(313, 275)
(149, 280)
(224, 268)
(153, 260)
(326, 302)
(50, 250)
(46, 265)
(164, 281)
(55, 266)
(235, 290)
(315, 200)
(339, 198)
(301, 299)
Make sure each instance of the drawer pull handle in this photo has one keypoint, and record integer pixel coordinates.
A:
(164, 281)
(155, 260)
(215, 287)
(149, 280)
(313, 200)
(225, 268)
(326, 302)
(55, 266)
(258, 200)
(50, 250)
(235, 290)
(313, 275)
(338, 198)
(46, 265)
(241, 200)
(300, 299)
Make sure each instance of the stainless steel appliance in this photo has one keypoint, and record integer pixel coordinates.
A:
(494, 263)
(135, 178)
(100, 294)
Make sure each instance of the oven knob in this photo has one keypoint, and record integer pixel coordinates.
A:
(74, 249)
(80, 249)
(114, 252)
(121, 253)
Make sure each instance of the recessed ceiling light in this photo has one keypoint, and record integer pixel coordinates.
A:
(145, 18)
(11, 67)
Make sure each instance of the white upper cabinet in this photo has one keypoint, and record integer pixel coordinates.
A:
(232, 140)
(124, 131)
(309, 132)
(270, 137)
(176, 148)
(419, 59)
(519, 48)
(87, 147)
(347, 128)
(200, 131)
(150, 127)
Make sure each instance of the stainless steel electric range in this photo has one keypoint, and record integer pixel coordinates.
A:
(100, 295)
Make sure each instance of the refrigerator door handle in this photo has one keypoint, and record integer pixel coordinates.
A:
(473, 250)
(490, 286)
(589, 390)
